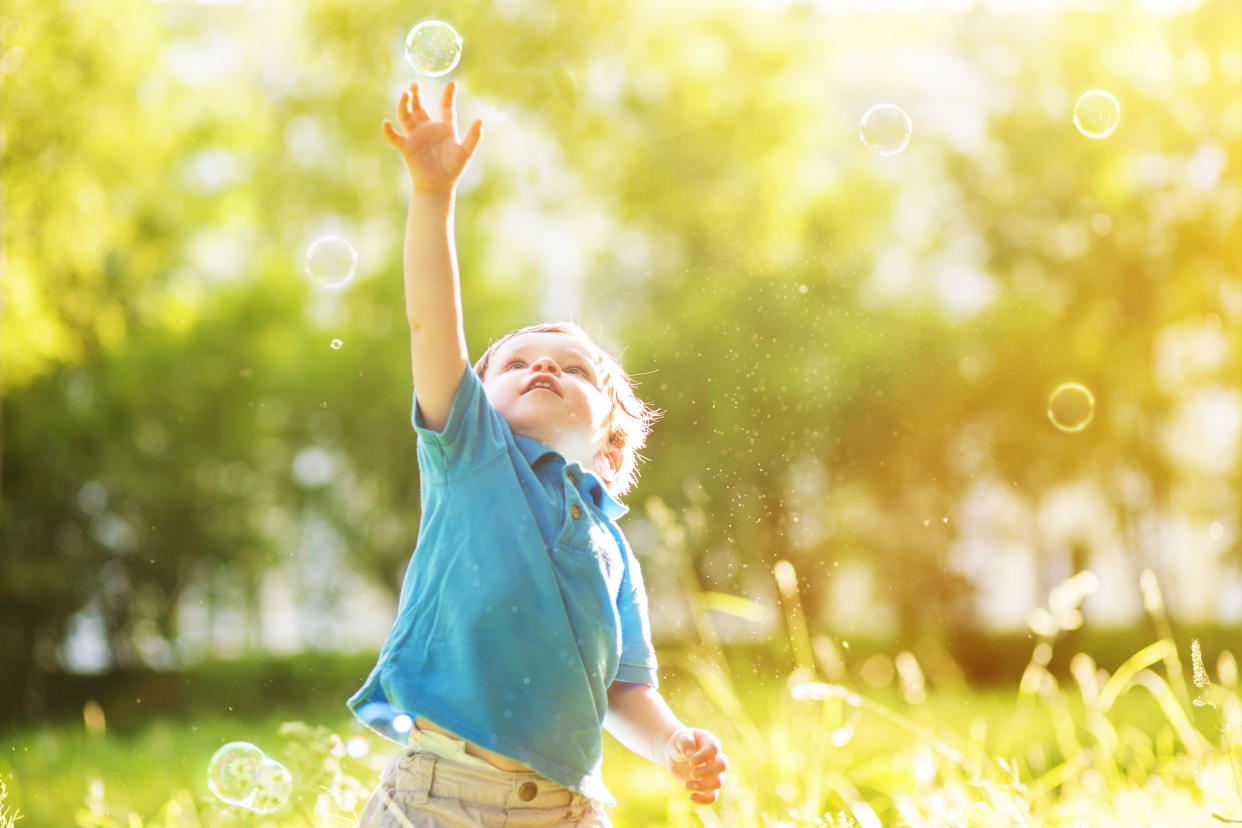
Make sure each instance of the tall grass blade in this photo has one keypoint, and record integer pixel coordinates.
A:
(1173, 711)
(1133, 665)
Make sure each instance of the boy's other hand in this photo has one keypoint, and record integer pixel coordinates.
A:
(695, 757)
(431, 150)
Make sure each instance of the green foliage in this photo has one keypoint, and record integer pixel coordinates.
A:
(166, 361)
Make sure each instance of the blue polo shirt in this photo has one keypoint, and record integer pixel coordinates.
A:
(521, 604)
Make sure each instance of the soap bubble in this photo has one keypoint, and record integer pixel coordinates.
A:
(232, 771)
(1071, 407)
(330, 261)
(272, 788)
(336, 344)
(1097, 113)
(885, 129)
(241, 774)
(433, 48)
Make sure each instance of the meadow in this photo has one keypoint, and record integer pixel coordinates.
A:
(1153, 742)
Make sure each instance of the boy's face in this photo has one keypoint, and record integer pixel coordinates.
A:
(548, 386)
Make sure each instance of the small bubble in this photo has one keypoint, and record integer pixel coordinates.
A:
(239, 773)
(331, 261)
(433, 48)
(1071, 407)
(1097, 113)
(885, 129)
(272, 788)
(336, 344)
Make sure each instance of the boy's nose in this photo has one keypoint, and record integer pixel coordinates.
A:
(546, 365)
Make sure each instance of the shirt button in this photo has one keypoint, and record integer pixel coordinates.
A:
(526, 791)
(575, 511)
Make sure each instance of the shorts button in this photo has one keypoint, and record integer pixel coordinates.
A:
(526, 791)
(575, 511)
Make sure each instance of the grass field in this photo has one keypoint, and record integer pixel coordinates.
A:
(1127, 749)
(824, 742)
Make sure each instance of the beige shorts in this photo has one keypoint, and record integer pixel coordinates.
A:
(438, 785)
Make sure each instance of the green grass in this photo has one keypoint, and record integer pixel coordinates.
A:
(957, 758)
(1149, 742)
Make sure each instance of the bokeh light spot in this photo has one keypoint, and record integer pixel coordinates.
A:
(433, 48)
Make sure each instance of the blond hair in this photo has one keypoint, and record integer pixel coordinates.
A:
(630, 418)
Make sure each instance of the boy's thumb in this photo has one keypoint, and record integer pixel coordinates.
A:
(682, 745)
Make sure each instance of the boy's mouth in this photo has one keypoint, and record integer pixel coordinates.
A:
(544, 382)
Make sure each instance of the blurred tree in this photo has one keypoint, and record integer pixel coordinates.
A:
(844, 344)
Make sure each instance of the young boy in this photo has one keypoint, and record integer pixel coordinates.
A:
(522, 625)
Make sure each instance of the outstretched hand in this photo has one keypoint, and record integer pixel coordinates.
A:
(432, 153)
(695, 757)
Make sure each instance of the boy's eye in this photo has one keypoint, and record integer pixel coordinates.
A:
(574, 369)
(517, 363)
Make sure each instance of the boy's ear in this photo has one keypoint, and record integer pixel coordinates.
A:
(610, 458)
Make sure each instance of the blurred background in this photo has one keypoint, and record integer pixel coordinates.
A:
(855, 352)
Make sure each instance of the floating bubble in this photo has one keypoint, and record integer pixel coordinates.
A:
(272, 788)
(241, 774)
(336, 344)
(1097, 113)
(1071, 407)
(885, 129)
(357, 747)
(330, 261)
(433, 48)
(232, 772)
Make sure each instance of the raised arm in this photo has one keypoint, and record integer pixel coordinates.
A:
(435, 159)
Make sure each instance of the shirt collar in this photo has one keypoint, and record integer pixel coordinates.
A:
(589, 483)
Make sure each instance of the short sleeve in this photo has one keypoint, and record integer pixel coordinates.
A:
(474, 435)
(638, 660)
